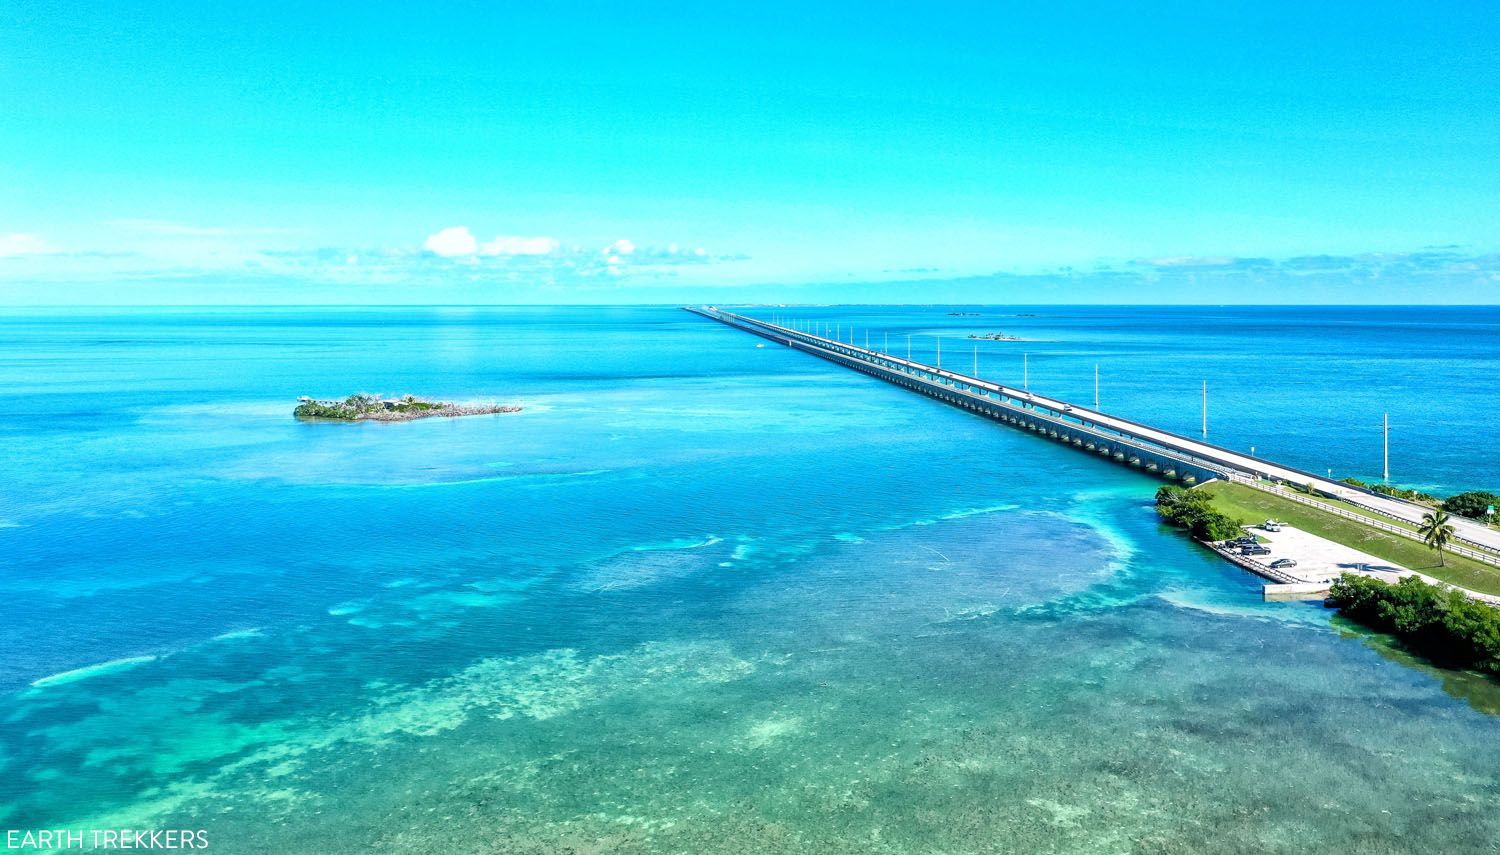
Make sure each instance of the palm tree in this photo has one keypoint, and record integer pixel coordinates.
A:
(1436, 532)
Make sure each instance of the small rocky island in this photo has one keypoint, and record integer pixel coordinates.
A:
(995, 336)
(373, 408)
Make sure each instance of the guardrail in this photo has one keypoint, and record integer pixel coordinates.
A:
(1410, 534)
(1257, 568)
(933, 387)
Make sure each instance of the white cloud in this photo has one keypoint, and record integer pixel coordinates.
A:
(22, 243)
(452, 242)
(517, 245)
(520, 256)
(1189, 261)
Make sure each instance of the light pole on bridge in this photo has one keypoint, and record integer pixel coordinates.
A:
(1205, 409)
(1385, 474)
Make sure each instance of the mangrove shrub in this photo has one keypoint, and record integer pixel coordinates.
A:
(1442, 625)
(1194, 511)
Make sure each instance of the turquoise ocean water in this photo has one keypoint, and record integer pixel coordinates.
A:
(704, 596)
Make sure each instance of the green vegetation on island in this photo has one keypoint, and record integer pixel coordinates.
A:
(1239, 500)
(1445, 626)
(1194, 511)
(1475, 504)
(363, 406)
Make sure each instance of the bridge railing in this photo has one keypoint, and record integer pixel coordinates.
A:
(994, 393)
(1097, 432)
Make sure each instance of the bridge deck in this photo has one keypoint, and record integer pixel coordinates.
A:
(1195, 458)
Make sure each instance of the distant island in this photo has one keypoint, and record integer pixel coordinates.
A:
(365, 407)
(963, 314)
(995, 336)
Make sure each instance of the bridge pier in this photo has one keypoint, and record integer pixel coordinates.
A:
(1014, 407)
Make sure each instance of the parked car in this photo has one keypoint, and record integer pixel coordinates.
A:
(1283, 564)
(1255, 550)
(1271, 525)
(1247, 540)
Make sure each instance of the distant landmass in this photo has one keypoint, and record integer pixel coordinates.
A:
(365, 407)
(995, 336)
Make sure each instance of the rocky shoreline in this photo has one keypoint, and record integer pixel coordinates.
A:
(373, 408)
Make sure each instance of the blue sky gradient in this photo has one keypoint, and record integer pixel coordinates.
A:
(281, 152)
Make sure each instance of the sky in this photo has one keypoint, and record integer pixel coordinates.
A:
(271, 152)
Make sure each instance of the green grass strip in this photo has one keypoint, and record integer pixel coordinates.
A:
(1252, 505)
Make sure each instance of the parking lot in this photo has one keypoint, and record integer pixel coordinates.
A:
(1318, 559)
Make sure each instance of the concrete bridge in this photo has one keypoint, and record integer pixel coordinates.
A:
(1167, 455)
(1057, 420)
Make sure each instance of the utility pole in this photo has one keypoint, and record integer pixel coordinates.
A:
(1026, 371)
(1096, 385)
(1205, 409)
(939, 353)
(976, 360)
(887, 350)
(867, 339)
(1386, 473)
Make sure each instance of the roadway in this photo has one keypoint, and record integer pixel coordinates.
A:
(1466, 529)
